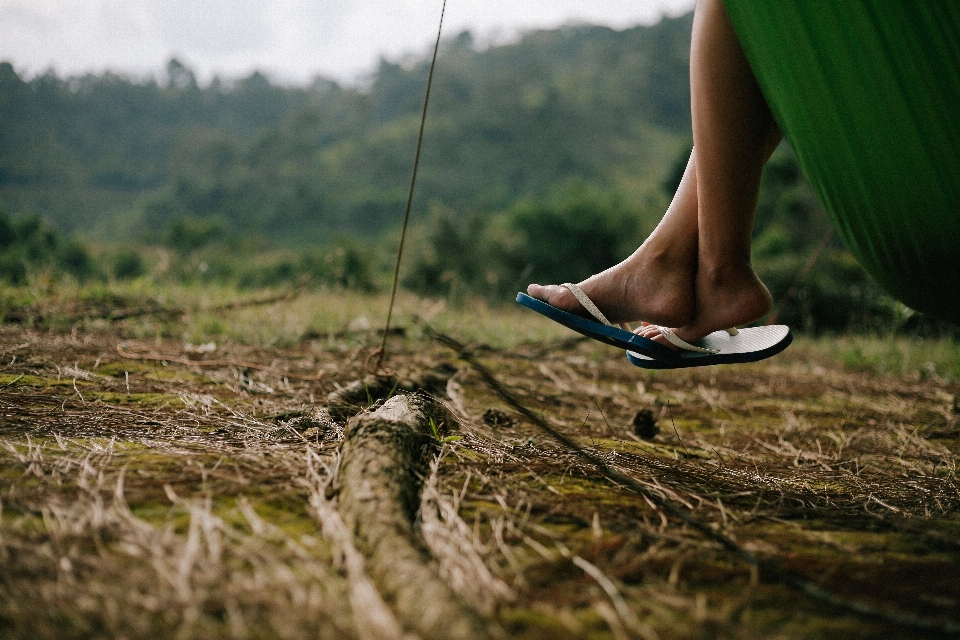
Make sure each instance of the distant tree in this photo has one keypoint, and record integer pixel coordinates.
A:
(186, 234)
(75, 259)
(179, 76)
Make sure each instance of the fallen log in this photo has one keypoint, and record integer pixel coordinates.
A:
(385, 456)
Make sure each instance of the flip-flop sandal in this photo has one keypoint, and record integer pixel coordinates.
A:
(600, 329)
(720, 347)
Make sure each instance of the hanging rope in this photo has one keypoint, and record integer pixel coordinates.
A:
(382, 351)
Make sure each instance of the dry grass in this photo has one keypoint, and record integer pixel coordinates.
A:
(151, 499)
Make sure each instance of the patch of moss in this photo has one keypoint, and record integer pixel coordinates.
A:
(145, 400)
(13, 381)
(289, 515)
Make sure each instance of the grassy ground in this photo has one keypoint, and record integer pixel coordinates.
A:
(170, 487)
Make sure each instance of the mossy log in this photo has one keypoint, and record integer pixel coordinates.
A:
(385, 455)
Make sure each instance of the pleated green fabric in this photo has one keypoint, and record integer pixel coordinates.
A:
(867, 92)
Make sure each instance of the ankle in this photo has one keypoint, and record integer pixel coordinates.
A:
(726, 274)
(664, 258)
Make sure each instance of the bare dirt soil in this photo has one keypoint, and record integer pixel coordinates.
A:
(152, 489)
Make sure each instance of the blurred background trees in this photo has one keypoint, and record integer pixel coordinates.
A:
(547, 159)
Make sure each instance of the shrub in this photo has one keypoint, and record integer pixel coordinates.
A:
(572, 237)
(12, 268)
(28, 243)
(127, 265)
(457, 258)
(73, 257)
(186, 234)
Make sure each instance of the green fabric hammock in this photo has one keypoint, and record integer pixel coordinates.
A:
(867, 92)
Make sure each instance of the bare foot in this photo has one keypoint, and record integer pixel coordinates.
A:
(725, 297)
(649, 285)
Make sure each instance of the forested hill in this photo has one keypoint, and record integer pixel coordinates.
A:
(113, 156)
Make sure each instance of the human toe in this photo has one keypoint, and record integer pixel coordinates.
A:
(548, 293)
(535, 290)
(652, 332)
(558, 296)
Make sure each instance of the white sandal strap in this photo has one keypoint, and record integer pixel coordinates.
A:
(586, 302)
(667, 333)
(679, 342)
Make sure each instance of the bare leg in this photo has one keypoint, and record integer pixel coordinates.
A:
(694, 270)
(734, 135)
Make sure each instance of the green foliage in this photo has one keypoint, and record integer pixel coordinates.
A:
(87, 148)
(29, 244)
(75, 259)
(34, 239)
(570, 237)
(460, 258)
(128, 264)
(107, 153)
(342, 264)
(186, 234)
(351, 266)
(13, 269)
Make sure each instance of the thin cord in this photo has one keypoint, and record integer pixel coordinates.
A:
(413, 181)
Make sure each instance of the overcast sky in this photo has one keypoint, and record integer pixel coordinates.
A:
(290, 40)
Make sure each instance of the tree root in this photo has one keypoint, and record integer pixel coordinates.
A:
(384, 458)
